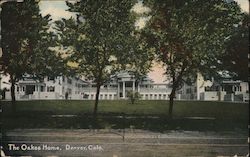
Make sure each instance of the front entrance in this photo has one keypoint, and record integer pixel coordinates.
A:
(29, 89)
(228, 89)
(124, 87)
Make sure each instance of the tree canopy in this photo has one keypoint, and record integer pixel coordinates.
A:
(102, 40)
(190, 36)
(26, 43)
(235, 61)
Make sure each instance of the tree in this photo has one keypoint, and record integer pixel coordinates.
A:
(190, 36)
(102, 40)
(26, 43)
(236, 60)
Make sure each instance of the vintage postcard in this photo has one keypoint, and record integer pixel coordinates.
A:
(127, 78)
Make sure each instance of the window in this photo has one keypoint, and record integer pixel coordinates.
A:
(195, 90)
(69, 81)
(188, 91)
(207, 88)
(84, 86)
(17, 89)
(69, 91)
(51, 79)
(179, 92)
(42, 88)
(50, 89)
(85, 96)
(114, 86)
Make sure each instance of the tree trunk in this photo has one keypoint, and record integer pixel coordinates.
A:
(13, 97)
(171, 102)
(176, 81)
(96, 100)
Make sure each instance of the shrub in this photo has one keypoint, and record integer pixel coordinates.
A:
(133, 96)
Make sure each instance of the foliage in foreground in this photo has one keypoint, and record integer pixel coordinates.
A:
(102, 41)
(190, 37)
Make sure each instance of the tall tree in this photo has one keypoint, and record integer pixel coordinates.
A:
(26, 43)
(102, 41)
(235, 61)
(190, 36)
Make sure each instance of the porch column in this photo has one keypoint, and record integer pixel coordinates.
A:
(179, 97)
(123, 92)
(138, 88)
(232, 97)
(39, 90)
(133, 86)
(233, 88)
(197, 91)
(219, 93)
(118, 94)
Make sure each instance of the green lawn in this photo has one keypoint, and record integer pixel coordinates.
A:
(37, 114)
(222, 110)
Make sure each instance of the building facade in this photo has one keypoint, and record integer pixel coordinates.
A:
(48, 88)
(78, 89)
(119, 85)
(210, 90)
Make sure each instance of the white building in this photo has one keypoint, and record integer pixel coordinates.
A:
(226, 90)
(77, 89)
(120, 84)
(48, 88)
(123, 82)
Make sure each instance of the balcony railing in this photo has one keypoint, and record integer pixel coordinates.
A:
(155, 90)
(141, 90)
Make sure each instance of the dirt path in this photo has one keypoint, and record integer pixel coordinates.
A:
(136, 143)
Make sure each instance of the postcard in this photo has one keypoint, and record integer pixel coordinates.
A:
(128, 78)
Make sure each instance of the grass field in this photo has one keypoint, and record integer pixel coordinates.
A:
(150, 115)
